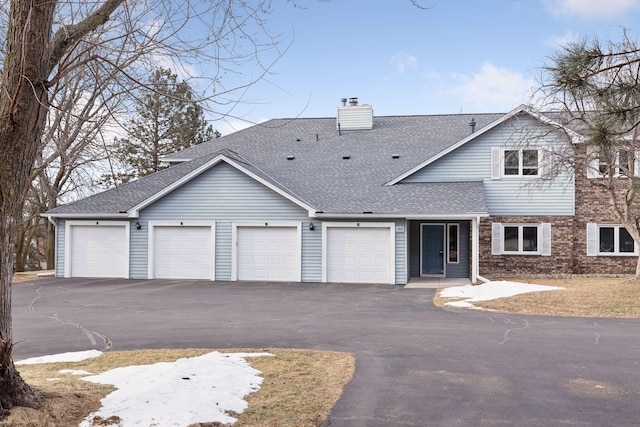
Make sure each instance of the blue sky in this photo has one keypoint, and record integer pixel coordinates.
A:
(458, 56)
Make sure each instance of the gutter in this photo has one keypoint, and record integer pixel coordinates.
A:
(364, 215)
(123, 215)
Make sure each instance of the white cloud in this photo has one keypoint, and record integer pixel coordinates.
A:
(493, 89)
(402, 60)
(564, 40)
(591, 8)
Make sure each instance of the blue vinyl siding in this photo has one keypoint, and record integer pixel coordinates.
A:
(225, 195)
(60, 237)
(401, 253)
(506, 196)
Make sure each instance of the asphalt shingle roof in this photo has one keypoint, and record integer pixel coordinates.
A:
(334, 172)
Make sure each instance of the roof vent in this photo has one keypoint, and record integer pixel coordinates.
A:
(354, 116)
(291, 157)
(472, 123)
(346, 157)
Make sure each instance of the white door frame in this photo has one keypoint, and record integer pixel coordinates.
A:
(68, 232)
(392, 243)
(151, 242)
(265, 224)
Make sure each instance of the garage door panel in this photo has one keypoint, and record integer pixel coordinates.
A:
(268, 253)
(99, 251)
(359, 254)
(183, 252)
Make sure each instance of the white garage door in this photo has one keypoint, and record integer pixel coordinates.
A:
(99, 251)
(268, 253)
(359, 255)
(183, 252)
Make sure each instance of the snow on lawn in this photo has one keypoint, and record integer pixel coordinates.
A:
(187, 391)
(488, 291)
(76, 356)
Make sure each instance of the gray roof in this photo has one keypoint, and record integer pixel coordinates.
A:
(306, 158)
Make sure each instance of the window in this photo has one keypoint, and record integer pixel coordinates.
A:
(623, 163)
(521, 239)
(452, 243)
(609, 240)
(521, 162)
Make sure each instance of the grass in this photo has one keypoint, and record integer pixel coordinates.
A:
(299, 388)
(583, 297)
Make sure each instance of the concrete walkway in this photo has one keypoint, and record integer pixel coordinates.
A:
(435, 282)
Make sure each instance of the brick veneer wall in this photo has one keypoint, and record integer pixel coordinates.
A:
(593, 205)
(568, 239)
(558, 264)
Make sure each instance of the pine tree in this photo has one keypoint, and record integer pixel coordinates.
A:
(166, 120)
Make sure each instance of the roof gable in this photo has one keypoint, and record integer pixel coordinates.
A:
(109, 204)
(519, 110)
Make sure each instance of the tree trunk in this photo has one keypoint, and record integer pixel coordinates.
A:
(23, 102)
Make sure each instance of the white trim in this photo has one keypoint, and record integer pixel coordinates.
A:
(134, 212)
(278, 224)
(93, 216)
(496, 238)
(593, 241)
(68, 226)
(520, 174)
(475, 250)
(448, 242)
(151, 242)
(364, 217)
(543, 241)
(546, 239)
(575, 137)
(496, 163)
(392, 242)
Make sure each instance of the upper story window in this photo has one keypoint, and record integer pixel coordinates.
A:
(521, 162)
(622, 163)
(509, 162)
(609, 240)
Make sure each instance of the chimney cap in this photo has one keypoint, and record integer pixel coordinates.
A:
(353, 101)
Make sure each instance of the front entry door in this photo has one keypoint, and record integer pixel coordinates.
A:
(432, 249)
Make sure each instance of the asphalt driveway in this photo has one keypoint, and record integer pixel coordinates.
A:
(416, 364)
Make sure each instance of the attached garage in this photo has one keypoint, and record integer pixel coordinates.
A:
(267, 252)
(97, 249)
(358, 252)
(182, 251)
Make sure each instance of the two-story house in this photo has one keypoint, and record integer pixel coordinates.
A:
(352, 198)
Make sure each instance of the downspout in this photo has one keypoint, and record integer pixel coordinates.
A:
(50, 219)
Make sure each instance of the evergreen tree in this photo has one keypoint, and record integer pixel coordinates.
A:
(167, 120)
